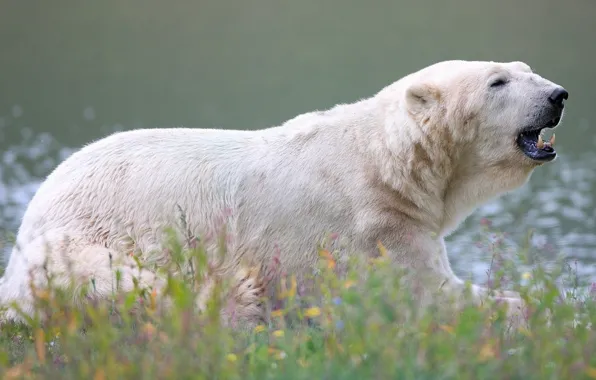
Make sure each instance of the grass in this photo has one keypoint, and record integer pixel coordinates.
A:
(361, 324)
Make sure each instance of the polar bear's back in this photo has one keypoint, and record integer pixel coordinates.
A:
(139, 176)
(283, 186)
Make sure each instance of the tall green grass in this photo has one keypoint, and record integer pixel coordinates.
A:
(360, 324)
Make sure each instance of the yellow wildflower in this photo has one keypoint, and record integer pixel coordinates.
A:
(277, 313)
(382, 249)
(331, 264)
(447, 328)
(312, 312)
(527, 275)
(486, 352)
(591, 371)
(278, 333)
(231, 357)
(329, 257)
(285, 293)
(293, 287)
(259, 328)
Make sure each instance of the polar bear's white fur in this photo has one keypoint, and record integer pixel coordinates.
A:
(403, 167)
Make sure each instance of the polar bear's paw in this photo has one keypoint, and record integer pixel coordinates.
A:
(246, 304)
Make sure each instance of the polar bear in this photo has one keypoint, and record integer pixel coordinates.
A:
(403, 167)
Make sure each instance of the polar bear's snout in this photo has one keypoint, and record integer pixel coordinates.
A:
(531, 140)
(555, 107)
(557, 97)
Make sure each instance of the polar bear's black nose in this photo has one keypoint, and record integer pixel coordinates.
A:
(557, 97)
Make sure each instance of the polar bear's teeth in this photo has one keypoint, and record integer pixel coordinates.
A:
(552, 140)
(540, 143)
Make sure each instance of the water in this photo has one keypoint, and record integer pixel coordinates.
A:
(72, 72)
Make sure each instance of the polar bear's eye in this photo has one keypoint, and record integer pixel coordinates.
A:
(498, 83)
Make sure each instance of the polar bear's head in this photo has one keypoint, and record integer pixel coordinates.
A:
(503, 108)
(477, 125)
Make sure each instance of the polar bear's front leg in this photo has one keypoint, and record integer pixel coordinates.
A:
(431, 275)
(497, 293)
(478, 290)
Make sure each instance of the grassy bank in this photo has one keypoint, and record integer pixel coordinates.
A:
(360, 326)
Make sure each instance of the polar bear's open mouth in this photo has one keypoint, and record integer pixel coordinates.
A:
(532, 143)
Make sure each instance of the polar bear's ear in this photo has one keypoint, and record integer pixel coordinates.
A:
(522, 66)
(422, 96)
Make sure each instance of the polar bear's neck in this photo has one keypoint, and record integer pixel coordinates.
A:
(422, 169)
(434, 173)
(428, 174)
